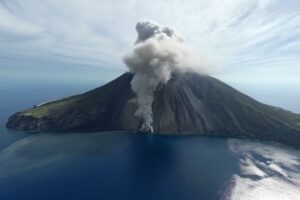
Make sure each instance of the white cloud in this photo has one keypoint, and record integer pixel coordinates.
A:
(242, 34)
(267, 171)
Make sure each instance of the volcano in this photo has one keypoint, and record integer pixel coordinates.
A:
(188, 104)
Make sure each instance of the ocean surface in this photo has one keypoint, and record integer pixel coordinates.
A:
(126, 166)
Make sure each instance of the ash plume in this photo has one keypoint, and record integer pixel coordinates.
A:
(158, 53)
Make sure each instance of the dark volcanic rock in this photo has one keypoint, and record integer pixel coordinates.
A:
(188, 103)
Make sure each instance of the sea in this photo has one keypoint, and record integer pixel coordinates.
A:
(130, 166)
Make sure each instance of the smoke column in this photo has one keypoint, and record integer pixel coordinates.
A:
(158, 52)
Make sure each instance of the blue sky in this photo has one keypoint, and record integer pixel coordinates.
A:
(253, 41)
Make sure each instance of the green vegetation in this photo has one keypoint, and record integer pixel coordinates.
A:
(47, 108)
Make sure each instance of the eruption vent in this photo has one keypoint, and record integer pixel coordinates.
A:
(158, 52)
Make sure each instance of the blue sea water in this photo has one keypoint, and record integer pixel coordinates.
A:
(129, 166)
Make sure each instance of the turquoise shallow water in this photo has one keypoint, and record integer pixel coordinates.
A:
(134, 166)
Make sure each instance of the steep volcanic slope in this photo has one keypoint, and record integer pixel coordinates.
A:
(193, 103)
(188, 103)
